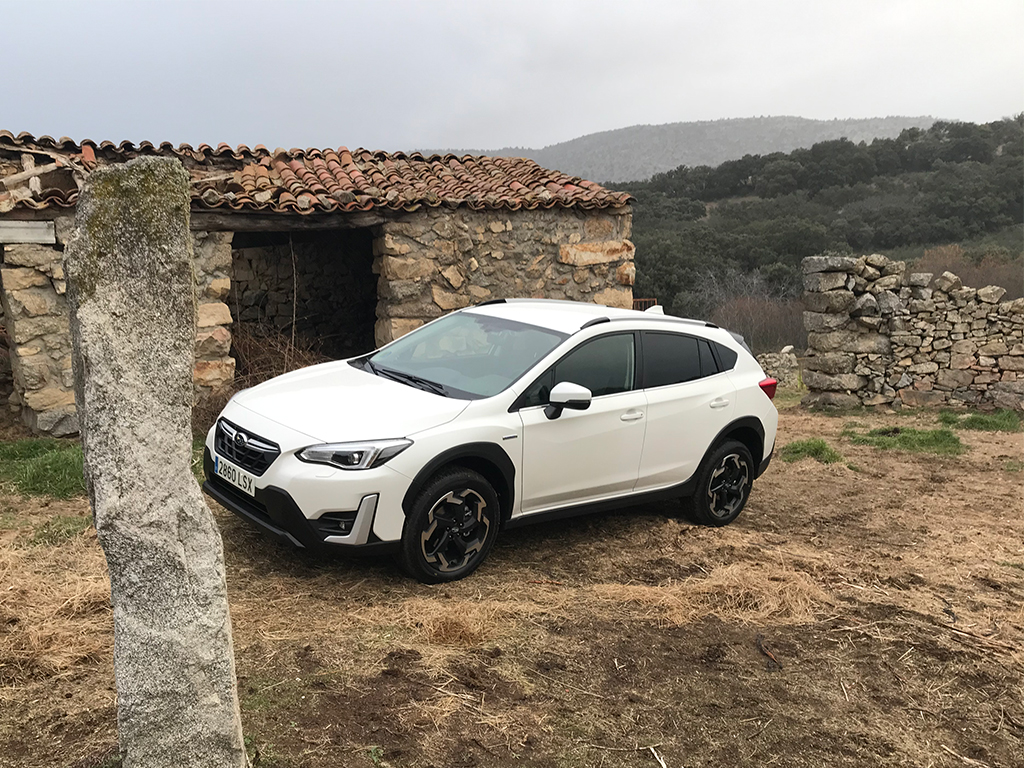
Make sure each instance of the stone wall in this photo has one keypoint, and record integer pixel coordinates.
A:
(783, 366)
(438, 260)
(334, 287)
(32, 292)
(880, 335)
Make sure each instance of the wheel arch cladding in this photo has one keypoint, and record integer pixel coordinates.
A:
(747, 430)
(487, 459)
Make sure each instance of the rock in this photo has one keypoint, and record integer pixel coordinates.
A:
(894, 268)
(447, 300)
(824, 281)
(869, 273)
(615, 297)
(585, 254)
(918, 279)
(626, 273)
(213, 342)
(924, 368)
(133, 321)
(830, 400)
(947, 282)
(886, 283)
(40, 257)
(954, 378)
(19, 278)
(214, 374)
(453, 276)
(1011, 363)
(829, 263)
(786, 349)
(822, 321)
(876, 260)
(219, 288)
(888, 303)
(865, 305)
(842, 382)
(994, 348)
(406, 268)
(963, 295)
(214, 313)
(991, 294)
(831, 362)
(878, 399)
(913, 398)
(829, 301)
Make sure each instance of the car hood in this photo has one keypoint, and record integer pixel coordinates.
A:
(336, 402)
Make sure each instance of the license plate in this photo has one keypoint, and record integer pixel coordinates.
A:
(237, 477)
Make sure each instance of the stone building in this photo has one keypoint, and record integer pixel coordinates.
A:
(354, 248)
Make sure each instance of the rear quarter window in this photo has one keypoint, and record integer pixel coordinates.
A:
(670, 358)
(726, 357)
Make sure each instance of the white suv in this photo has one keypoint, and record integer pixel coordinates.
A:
(494, 416)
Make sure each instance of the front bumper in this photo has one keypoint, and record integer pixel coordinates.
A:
(274, 510)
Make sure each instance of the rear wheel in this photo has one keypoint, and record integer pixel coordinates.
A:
(723, 485)
(450, 528)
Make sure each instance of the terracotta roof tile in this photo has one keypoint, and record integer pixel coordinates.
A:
(313, 180)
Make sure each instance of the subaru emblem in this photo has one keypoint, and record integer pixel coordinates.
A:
(241, 439)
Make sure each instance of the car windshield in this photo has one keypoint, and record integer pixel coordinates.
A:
(469, 355)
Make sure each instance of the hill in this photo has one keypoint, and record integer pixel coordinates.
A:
(640, 151)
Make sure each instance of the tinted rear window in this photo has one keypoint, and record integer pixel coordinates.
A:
(726, 357)
(670, 358)
(708, 366)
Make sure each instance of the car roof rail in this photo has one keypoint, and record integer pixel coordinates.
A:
(594, 321)
(491, 301)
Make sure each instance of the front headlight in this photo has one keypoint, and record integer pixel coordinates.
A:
(364, 455)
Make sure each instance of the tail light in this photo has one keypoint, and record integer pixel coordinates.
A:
(768, 386)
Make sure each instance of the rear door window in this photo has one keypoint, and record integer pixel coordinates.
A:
(670, 358)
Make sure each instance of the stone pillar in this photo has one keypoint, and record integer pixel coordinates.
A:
(133, 321)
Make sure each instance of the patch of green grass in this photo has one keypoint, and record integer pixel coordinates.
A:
(59, 529)
(1003, 420)
(43, 467)
(1014, 465)
(938, 441)
(815, 448)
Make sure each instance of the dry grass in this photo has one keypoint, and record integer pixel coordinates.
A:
(55, 612)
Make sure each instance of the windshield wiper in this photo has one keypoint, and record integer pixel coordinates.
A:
(410, 378)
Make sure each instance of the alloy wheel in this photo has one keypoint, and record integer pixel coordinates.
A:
(456, 530)
(727, 488)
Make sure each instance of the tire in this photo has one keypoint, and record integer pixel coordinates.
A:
(450, 528)
(723, 485)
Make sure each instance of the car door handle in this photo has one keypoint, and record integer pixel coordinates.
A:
(719, 403)
(632, 415)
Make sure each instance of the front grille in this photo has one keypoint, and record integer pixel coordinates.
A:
(254, 507)
(251, 452)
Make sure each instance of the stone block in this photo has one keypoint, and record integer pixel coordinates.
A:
(829, 301)
(963, 296)
(213, 342)
(213, 313)
(886, 283)
(41, 257)
(866, 305)
(991, 294)
(824, 281)
(454, 276)
(59, 422)
(219, 288)
(388, 329)
(407, 268)
(585, 254)
(876, 260)
(615, 297)
(35, 302)
(214, 374)
(888, 303)
(29, 328)
(599, 228)
(19, 278)
(913, 398)
(832, 363)
(842, 382)
(447, 300)
(48, 398)
(830, 400)
(478, 292)
(894, 268)
(1008, 363)
(947, 282)
(626, 273)
(918, 279)
(822, 321)
(994, 349)
(829, 264)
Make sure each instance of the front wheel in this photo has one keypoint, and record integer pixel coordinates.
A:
(723, 485)
(450, 528)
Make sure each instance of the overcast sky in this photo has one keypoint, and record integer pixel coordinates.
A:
(405, 74)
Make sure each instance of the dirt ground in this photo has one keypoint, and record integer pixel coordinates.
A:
(866, 613)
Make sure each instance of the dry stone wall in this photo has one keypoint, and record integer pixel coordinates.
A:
(881, 335)
(32, 292)
(333, 287)
(438, 260)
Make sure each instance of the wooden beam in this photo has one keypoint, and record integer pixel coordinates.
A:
(206, 221)
(13, 232)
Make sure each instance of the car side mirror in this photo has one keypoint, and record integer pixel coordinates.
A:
(565, 394)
